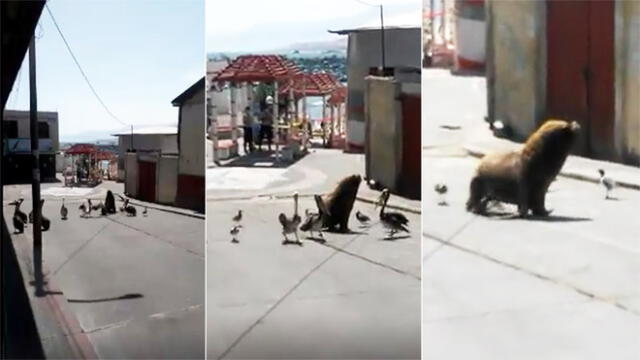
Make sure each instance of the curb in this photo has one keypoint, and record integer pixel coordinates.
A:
(281, 197)
(169, 210)
(567, 174)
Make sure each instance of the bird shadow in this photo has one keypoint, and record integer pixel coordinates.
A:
(613, 198)
(396, 238)
(317, 239)
(348, 232)
(291, 242)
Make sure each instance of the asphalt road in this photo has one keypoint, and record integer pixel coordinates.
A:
(567, 287)
(355, 296)
(135, 284)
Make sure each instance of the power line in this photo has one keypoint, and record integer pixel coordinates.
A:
(80, 68)
(368, 3)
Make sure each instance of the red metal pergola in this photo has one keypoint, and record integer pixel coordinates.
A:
(316, 84)
(89, 149)
(258, 68)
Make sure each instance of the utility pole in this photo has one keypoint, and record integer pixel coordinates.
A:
(35, 171)
(384, 65)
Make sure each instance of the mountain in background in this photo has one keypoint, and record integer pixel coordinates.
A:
(327, 48)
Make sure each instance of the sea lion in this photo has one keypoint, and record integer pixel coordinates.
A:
(523, 177)
(339, 204)
(110, 203)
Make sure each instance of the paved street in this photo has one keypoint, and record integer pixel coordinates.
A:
(355, 296)
(134, 284)
(502, 288)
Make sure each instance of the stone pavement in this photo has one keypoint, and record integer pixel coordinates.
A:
(355, 296)
(131, 287)
(500, 287)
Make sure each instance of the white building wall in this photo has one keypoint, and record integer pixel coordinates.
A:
(192, 135)
(23, 121)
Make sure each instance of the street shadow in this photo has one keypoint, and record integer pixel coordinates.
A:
(261, 159)
(348, 232)
(467, 73)
(20, 337)
(548, 218)
(116, 298)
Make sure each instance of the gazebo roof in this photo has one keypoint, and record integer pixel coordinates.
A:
(264, 68)
(316, 84)
(89, 149)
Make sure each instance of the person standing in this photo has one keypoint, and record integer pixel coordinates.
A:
(266, 129)
(247, 126)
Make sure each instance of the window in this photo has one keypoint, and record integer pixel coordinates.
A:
(43, 130)
(9, 129)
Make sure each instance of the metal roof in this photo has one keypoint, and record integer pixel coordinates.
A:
(264, 68)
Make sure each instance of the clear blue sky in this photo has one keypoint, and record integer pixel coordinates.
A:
(139, 55)
(251, 25)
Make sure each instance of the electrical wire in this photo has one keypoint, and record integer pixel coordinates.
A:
(80, 68)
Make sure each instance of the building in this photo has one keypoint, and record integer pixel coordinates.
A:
(191, 140)
(16, 145)
(402, 57)
(161, 140)
(575, 60)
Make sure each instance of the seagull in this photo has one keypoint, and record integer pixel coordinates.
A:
(144, 212)
(290, 226)
(314, 221)
(607, 182)
(235, 230)
(441, 189)
(364, 219)
(238, 217)
(392, 221)
(63, 211)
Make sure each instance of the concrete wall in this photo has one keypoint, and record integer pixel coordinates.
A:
(383, 129)
(192, 135)
(627, 75)
(516, 61)
(23, 121)
(164, 143)
(166, 179)
(402, 50)
(131, 174)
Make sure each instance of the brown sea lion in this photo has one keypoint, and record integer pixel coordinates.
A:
(523, 177)
(110, 203)
(339, 204)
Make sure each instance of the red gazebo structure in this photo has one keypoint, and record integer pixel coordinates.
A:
(275, 69)
(93, 154)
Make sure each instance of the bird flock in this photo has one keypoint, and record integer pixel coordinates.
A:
(20, 219)
(393, 222)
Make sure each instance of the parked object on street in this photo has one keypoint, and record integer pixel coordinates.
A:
(290, 226)
(393, 221)
(21, 215)
(339, 203)
(19, 218)
(607, 182)
(523, 177)
(63, 211)
(364, 219)
(110, 203)
(238, 217)
(441, 189)
(235, 230)
(315, 221)
(45, 223)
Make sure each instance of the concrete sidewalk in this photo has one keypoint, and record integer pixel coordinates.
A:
(119, 286)
(355, 296)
